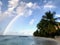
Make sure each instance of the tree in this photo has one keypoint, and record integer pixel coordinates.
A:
(58, 31)
(47, 26)
(36, 33)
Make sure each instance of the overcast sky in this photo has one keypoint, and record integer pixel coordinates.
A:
(20, 17)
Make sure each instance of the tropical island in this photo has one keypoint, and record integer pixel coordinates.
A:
(48, 26)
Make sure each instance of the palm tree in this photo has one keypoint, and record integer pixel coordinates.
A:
(47, 25)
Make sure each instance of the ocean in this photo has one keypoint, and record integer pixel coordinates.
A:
(26, 40)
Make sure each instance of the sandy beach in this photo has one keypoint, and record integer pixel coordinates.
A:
(57, 38)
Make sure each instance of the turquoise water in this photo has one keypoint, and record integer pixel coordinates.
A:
(25, 40)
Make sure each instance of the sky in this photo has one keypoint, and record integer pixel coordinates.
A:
(20, 17)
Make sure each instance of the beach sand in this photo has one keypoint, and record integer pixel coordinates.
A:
(57, 38)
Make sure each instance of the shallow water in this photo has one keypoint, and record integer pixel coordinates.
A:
(26, 40)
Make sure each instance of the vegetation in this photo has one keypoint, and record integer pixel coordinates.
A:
(48, 26)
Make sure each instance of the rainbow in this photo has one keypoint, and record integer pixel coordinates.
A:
(9, 25)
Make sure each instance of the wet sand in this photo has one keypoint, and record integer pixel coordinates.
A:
(46, 41)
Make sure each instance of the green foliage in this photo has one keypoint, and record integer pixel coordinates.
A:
(36, 33)
(46, 27)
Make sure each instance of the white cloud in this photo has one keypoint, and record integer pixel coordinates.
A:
(0, 3)
(13, 3)
(26, 8)
(21, 8)
(11, 6)
(33, 5)
(57, 15)
(30, 4)
(49, 5)
(32, 21)
(0, 7)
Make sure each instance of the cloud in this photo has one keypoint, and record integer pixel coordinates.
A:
(19, 8)
(23, 8)
(30, 4)
(0, 3)
(33, 5)
(26, 8)
(0, 7)
(11, 6)
(49, 5)
(13, 3)
(57, 15)
(32, 21)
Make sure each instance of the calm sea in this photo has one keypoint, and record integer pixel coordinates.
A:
(26, 40)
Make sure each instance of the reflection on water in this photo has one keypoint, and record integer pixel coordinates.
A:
(24, 40)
